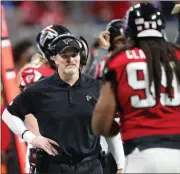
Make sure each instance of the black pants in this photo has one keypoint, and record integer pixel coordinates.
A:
(84, 167)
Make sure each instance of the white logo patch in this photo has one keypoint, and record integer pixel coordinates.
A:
(47, 33)
(66, 41)
(88, 97)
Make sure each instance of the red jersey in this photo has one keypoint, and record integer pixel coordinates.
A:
(32, 73)
(143, 115)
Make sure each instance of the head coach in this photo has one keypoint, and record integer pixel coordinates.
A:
(62, 104)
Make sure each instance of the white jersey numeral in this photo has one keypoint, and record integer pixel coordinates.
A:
(150, 100)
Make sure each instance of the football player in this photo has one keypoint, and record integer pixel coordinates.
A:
(143, 81)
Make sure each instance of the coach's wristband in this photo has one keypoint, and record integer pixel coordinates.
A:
(28, 136)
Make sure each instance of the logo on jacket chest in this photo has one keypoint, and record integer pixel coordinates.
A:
(88, 97)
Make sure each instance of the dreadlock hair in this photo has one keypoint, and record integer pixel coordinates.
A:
(158, 52)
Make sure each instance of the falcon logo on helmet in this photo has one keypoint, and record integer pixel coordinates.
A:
(47, 33)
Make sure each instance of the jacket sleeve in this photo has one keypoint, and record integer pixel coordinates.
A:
(22, 104)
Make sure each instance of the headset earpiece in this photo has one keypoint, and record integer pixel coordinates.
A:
(85, 51)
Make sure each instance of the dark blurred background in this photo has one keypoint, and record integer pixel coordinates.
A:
(87, 18)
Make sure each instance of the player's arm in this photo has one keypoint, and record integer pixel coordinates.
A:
(103, 116)
(115, 146)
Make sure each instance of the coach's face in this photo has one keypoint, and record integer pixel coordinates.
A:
(68, 62)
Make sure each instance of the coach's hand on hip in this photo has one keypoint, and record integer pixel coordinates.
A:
(45, 144)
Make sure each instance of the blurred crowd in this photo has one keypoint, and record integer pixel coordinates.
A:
(43, 13)
(60, 12)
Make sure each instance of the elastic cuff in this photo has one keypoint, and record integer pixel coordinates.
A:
(28, 137)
